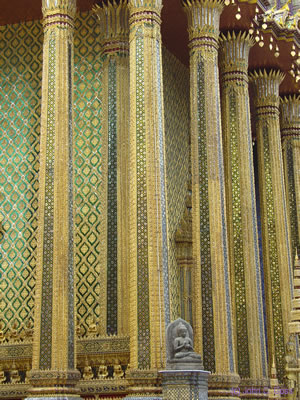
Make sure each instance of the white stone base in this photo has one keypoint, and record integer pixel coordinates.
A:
(143, 398)
(185, 384)
(55, 398)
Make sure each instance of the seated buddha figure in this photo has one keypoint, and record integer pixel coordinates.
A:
(183, 345)
(180, 350)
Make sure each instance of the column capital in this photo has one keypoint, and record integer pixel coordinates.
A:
(203, 21)
(290, 116)
(114, 25)
(142, 12)
(266, 85)
(59, 8)
(234, 53)
(146, 5)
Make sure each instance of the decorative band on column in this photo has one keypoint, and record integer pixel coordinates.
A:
(259, 266)
(165, 255)
(112, 228)
(145, 17)
(290, 135)
(224, 236)
(143, 318)
(71, 285)
(238, 248)
(206, 267)
(47, 274)
(290, 185)
(273, 252)
(60, 20)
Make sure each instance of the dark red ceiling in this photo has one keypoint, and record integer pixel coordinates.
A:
(174, 31)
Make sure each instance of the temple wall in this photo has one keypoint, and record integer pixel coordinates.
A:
(90, 265)
(20, 80)
(20, 108)
(177, 128)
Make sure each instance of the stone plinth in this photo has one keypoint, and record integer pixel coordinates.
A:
(62, 397)
(143, 398)
(185, 384)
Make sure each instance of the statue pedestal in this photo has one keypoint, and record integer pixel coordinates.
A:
(185, 384)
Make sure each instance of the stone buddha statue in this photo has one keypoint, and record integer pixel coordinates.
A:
(183, 345)
(181, 354)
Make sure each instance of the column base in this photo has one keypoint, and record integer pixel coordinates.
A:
(142, 397)
(143, 384)
(254, 388)
(185, 384)
(55, 398)
(50, 384)
(224, 387)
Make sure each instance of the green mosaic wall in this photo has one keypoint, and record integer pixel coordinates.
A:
(20, 82)
(177, 130)
(87, 164)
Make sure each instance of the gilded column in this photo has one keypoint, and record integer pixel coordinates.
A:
(149, 284)
(114, 25)
(241, 209)
(276, 246)
(212, 313)
(290, 136)
(53, 373)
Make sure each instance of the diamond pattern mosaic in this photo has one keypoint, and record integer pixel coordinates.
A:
(47, 280)
(112, 236)
(20, 82)
(142, 222)
(206, 273)
(238, 251)
(273, 257)
(176, 105)
(292, 198)
(20, 78)
(87, 169)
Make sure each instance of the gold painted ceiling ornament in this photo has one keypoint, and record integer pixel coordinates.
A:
(282, 17)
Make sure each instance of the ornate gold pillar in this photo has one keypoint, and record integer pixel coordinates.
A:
(53, 373)
(184, 257)
(212, 313)
(241, 209)
(149, 284)
(290, 135)
(276, 246)
(114, 25)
